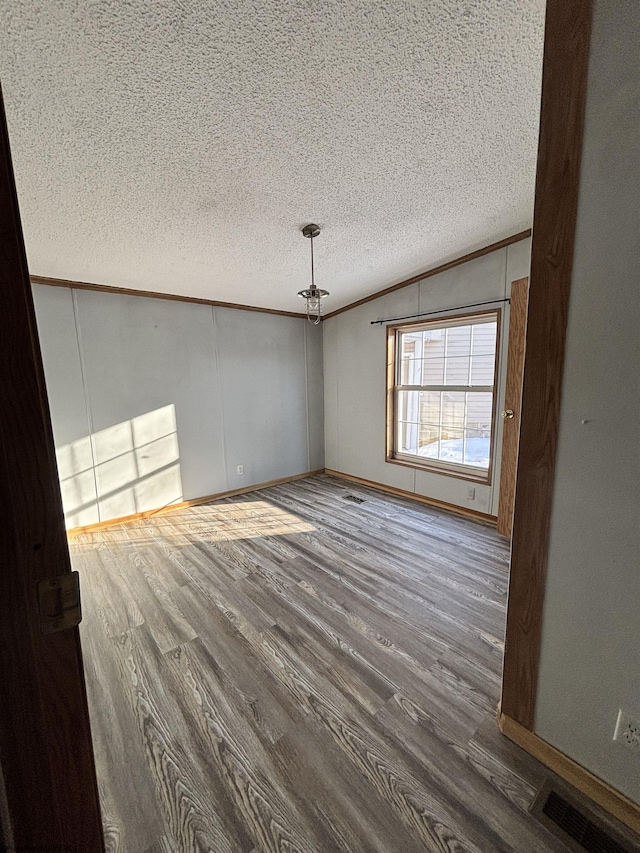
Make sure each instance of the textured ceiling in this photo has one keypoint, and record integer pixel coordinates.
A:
(179, 146)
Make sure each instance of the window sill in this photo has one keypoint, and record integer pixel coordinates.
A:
(472, 477)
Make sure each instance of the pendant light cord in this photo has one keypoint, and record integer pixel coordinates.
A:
(313, 285)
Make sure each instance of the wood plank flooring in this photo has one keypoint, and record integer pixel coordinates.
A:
(291, 671)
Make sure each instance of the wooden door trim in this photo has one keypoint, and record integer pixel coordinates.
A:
(45, 741)
(512, 400)
(564, 84)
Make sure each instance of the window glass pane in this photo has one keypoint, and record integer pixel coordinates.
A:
(429, 437)
(484, 339)
(407, 437)
(457, 370)
(433, 344)
(479, 410)
(458, 350)
(477, 447)
(411, 371)
(433, 340)
(430, 406)
(453, 408)
(482, 367)
(433, 350)
(451, 441)
(408, 344)
(407, 406)
(433, 370)
(459, 340)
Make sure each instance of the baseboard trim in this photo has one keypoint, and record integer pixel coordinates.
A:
(622, 808)
(123, 519)
(458, 510)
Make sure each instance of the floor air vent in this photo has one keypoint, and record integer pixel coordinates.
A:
(354, 498)
(587, 835)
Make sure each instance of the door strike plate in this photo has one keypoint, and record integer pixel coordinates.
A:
(59, 602)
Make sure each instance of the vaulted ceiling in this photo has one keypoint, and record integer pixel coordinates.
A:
(180, 146)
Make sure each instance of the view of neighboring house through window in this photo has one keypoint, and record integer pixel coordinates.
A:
(442, 396)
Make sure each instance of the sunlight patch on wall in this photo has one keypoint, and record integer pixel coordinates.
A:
(130, 467)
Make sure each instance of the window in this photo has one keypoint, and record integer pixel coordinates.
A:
(440, 394)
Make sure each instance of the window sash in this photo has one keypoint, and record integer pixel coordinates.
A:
(472, 389)
(470, 472)
(442, 425)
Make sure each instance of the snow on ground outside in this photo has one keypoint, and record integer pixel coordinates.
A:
(476, 451)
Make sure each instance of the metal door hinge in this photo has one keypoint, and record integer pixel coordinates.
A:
(59, 603)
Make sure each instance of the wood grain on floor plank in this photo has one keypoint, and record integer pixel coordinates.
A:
(290, 672)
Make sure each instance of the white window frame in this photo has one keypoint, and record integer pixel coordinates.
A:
(394, 363)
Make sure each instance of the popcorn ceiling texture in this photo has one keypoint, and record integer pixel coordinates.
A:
(180, 146)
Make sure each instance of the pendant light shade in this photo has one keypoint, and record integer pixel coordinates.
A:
(313, 295)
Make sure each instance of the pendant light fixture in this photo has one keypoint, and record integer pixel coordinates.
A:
(313, 295)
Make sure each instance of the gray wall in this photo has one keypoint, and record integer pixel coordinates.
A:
(355, 375)
(591, 632)
(156, 401)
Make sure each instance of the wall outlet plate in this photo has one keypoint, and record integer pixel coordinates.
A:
(240, 469)
(471, 493)
(627, 730)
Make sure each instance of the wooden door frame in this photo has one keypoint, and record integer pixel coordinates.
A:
(50, 798)
(564, 84)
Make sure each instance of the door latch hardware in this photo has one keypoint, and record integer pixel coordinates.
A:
(507, 413)
(59, 603)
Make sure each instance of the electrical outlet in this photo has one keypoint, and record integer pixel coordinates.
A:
(471, 493)
(627, 731)
(240, 469)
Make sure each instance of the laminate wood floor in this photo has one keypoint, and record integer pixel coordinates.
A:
(293, 672)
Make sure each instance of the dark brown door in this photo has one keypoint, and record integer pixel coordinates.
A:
(50, 796)
(512, 405)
